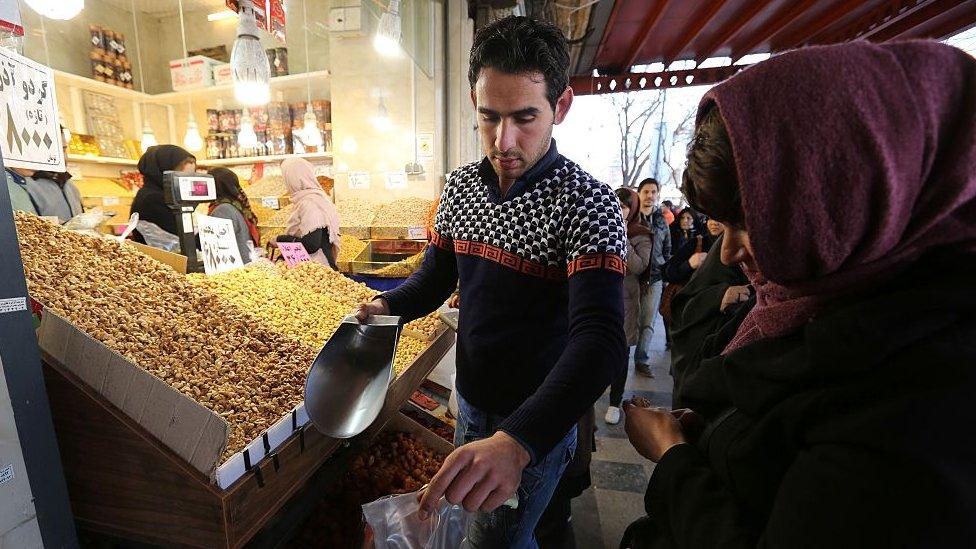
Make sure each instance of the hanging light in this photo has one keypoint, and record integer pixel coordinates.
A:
(382, 119)
(311, 136)
(148, 138)
(387, 39)
(57, 9)
(252, 73)
(192, 140)
(246, 137)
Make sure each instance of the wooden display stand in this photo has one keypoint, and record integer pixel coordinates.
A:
(125, 483)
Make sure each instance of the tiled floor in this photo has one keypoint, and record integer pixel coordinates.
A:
(619, 474)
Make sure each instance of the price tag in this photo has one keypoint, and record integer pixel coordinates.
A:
(13, 304)
(7, 473)
(219, 245)
(417, 233)
(270, 202)
(425, 145)
(323, 169)
(30, 134)
(293, 252)
(110, 201)
(396, 180)
(358, 180)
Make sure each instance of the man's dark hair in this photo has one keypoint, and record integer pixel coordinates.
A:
(517, 45)
(710, 183)
(668, 203)
(626, 196)
(648, 181)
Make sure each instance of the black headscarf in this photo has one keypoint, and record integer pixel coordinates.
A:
(229, 191)
(149, 202)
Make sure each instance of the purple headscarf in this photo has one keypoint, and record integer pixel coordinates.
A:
(853, 160)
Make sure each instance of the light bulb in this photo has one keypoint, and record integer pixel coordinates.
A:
(249, 62)
(57, 9)
(192, 140)
(382, 119)
(246, 137)
(387, 39)
(311, 135)
(148, 138)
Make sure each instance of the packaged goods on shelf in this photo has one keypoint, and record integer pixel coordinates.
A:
(192, 72)
(231, 362)
(84, 145)
(397, 463)
(405, 212)
(103, 122)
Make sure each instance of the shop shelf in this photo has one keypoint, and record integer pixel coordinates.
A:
(257, 159)
(278, 83)
(102, 160)
(61, 77)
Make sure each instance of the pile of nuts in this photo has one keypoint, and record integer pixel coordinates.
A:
(350, 247)
(279, 218)
(309, 317)
(272, 185)
(400, 269)
(405, 212)
(397, 463)
(407, 351)
(212, 351)
(355, 212)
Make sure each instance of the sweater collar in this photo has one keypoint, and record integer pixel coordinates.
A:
(528, 180)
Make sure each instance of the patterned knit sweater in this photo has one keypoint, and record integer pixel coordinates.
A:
(540, 271)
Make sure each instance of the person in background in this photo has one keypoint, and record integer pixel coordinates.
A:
(843, 409)
(539, 248)
(150, 202)
(314, 220)
(638, 261)
(687, 258)
(53, 193)
(683, 230)
(653, 218)
(20, 199)
(667, 209)
(233, 204)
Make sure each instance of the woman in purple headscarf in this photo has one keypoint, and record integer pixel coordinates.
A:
(838, 411)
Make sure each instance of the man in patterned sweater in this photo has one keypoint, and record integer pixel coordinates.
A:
(538, 246)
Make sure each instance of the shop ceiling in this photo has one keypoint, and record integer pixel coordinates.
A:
(628, 33)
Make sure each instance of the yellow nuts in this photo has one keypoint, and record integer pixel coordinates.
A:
(350, 247)
(355, 212)
(405, 212)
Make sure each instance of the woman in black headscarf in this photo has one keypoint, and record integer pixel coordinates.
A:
(149, 202)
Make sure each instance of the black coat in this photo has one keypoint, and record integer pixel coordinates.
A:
(149, 202)
(856, 431)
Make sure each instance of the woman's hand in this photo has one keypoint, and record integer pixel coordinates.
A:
(652, 431)
(696, 260)
(734, 295)
(454, 301)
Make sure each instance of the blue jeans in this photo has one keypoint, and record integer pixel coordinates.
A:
(649, 305)
(506, 527)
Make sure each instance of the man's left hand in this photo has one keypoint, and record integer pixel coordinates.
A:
(652, 431)
(481, 475)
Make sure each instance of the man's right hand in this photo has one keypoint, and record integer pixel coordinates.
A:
(696, 260)
(376, 307)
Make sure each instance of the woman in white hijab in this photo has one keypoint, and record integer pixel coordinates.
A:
(314, 220)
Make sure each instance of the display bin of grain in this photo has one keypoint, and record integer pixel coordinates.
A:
(381, 259)
(156, 398)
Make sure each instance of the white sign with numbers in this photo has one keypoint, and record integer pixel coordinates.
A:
(30, 133)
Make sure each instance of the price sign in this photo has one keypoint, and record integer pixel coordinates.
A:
(396, 180)
(30, 135)
(110, 201)
(270, 202)
(220, 251)
(425, 145)
(358, 180)
(417, 233)
(293, 252)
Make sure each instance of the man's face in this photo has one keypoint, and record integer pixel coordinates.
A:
(648, 197)
(515, 119)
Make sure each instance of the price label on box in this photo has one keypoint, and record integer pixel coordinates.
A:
(110, 201)
(417, 233)
(293, 252)
(396, 180)
(270, 202)
(358, 180)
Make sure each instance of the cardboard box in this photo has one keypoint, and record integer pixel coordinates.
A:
(195, 433)
(192, 72)
(223, 75)
(176, 261)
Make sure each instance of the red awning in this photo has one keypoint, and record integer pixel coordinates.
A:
(641, 32)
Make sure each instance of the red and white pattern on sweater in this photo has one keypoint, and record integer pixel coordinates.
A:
(567, 223)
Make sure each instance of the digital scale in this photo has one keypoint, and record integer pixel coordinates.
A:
(184, 191)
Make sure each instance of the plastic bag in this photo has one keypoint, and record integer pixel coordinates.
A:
(157, 237)
(395, 524)
(88, 222)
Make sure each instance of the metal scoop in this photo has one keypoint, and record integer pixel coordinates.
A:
(346, 386)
